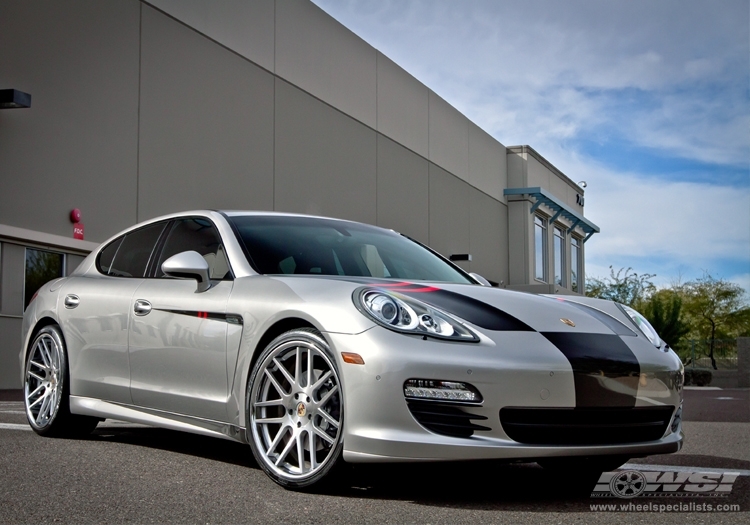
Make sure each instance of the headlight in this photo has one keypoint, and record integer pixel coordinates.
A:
(643, 325)
(410, 316)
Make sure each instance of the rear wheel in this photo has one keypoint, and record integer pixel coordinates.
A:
(295, 410)
(47, 388)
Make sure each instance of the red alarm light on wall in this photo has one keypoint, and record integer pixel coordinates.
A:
(75, 218)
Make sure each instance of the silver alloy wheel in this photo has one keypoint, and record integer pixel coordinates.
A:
(296, 409)
(43, 387)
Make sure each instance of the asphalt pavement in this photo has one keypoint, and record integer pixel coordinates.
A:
(127, 473)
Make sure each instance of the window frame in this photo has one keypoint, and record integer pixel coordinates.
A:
(559, 233)
(577, 243)
(543, 227)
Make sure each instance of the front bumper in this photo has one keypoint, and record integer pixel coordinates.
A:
(510, 369)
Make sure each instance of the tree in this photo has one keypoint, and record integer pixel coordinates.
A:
(716, 309)
(663, 309)
(625, 286)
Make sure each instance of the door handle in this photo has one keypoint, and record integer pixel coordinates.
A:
(71, 301)
(142, 307)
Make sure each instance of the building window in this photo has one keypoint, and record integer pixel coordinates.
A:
(559, 244)
(575, 265)
(41, 267)
(540, 248)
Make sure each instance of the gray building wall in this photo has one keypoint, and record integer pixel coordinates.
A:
(77, 146)
(141, 108)
(159, 117)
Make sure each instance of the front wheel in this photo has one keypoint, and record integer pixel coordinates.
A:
(295, 409)
(47, 388)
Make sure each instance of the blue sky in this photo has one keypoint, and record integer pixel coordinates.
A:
(647, 101)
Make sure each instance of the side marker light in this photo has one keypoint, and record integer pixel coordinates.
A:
(352, 358)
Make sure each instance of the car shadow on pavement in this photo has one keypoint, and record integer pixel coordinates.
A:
(494, 485)
(180, 442)
(478, 485)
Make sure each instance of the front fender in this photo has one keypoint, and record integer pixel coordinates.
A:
(264, 301)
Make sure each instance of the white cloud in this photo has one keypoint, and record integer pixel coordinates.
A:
(543, 70)
(650, 218)
(663, 227)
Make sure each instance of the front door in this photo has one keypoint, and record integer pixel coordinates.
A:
(178, 348)
(177, 340)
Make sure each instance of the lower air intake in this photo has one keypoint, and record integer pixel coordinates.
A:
(585, 426)
(445, 419)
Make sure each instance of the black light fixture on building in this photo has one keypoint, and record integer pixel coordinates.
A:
(12, 98)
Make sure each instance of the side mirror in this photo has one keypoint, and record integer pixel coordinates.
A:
(482, 280)
(188, 265)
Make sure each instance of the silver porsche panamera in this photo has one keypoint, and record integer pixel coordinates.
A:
(317, 340)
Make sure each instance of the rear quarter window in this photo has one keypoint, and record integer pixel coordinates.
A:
(107, 255)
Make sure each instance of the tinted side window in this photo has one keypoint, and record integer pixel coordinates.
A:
(200, 235)
(107, 255)
(135, 251)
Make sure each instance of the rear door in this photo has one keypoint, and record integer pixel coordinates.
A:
(95, 317)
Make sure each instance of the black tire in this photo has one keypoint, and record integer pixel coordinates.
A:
(295, 413)
(47, 388)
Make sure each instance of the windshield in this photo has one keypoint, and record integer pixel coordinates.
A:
(313, 246)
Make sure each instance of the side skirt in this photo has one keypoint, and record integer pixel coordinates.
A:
(157, 418)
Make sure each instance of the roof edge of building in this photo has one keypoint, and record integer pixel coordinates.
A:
(15, 235)
(526, 149)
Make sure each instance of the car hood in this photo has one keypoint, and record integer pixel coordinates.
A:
(487, 308)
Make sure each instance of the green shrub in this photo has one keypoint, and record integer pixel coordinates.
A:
(698, 376)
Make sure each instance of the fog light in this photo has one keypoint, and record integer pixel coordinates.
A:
(441, 390)
(677, 419)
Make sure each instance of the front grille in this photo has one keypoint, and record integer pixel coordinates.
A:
(585, 426)
(445, 419)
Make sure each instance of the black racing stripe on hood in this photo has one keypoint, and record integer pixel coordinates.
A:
(472, 310)
(605, 370)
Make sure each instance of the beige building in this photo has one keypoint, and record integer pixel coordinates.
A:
(140, 108)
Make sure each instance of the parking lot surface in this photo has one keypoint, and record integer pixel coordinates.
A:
(130, 473)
